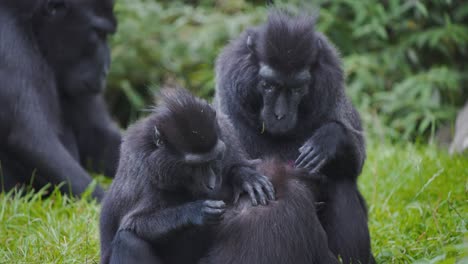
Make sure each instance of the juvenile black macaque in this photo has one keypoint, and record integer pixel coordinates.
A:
(177, 168)
(285, 231)
(282, 85)
(54, 61)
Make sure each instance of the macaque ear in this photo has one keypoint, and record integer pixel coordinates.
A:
(157, 137)
(250, 43)
(319, 44)
(319, 49)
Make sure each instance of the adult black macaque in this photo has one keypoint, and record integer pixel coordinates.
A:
(282, 85)
(177, 168)
(53, 118)
(285, 231)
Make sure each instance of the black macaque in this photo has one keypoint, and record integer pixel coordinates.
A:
(282, 85)
(54, 60)
(177, 168)
(285, 231)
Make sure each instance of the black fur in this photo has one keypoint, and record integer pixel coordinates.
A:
(314, 125)
(189, 125)
(54, 123)
(285, 231)
(162, 200)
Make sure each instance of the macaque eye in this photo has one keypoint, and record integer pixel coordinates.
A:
(296, 89)
(159, 142)
(220, 156)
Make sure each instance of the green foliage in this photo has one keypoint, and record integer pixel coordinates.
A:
(171, 44)
(416, 198)
(405, 60)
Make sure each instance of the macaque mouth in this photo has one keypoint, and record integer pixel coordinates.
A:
(279, 126)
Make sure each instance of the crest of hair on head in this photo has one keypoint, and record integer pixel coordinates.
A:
(186, 122)
(287, 42)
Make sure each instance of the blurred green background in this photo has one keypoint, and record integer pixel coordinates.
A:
(405, 60)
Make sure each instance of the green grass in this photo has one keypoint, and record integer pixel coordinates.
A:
(418, 209)
(418, 204)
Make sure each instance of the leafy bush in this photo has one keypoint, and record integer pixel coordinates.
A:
(169, 45)
(404, 59)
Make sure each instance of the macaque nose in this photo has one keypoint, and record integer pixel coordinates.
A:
(211, 183)
(212, 180)
(281, 107)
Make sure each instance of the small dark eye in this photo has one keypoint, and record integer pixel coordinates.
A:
(159, 142)
(220, 156)
(101, 34)
(296, 89)
(53, 7)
